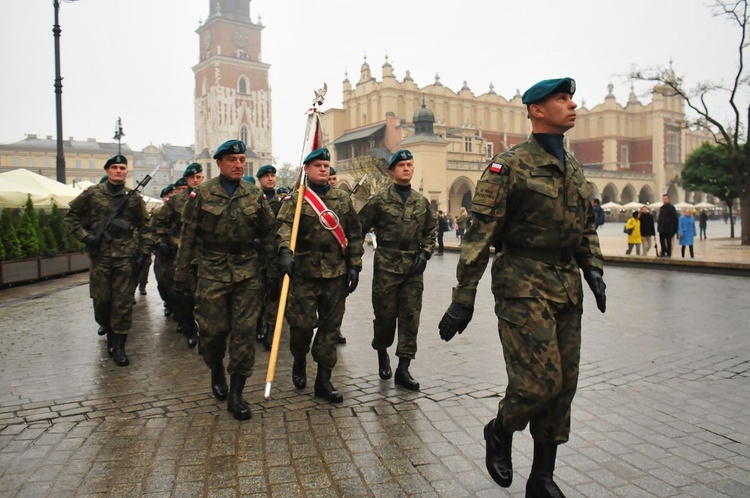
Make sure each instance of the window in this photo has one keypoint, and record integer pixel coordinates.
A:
(151, 161)
(467, 144)
(673, 146)
(78, 165)
(624, 159)
(242, 85)
(92, 164)
(46, 163)
(30, 162)
(243, 134)
(490, 150)
(204, 87)
(16, 161)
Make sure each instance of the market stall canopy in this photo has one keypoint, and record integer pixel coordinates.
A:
(706, 205)
(684, 205)
(633, 205)
(655, 205)
(17, 185)
(611, 205)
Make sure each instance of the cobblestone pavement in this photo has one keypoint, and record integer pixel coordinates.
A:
(662, 406)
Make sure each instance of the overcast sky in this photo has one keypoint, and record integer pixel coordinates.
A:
(134, 58)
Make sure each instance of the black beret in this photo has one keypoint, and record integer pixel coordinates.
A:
(169, 188)
(181, 183)
(282, 190)
(545, 88)
(333, 171)
(249, 178)
(192, 169)
(118, 159)
(266, 168)
(230, 147)
(401, 155)
(321, 153)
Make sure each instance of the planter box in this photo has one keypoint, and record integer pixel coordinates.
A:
(79, 261)
(55, 265)
(19, 271)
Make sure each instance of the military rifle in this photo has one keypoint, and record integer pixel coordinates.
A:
(358, 186)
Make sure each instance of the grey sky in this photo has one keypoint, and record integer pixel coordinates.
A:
(133, 58)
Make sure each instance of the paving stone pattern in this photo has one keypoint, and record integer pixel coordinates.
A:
(662, 406)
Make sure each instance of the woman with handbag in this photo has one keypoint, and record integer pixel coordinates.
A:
(633, 229)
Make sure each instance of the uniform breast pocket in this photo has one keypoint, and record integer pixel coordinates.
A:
(250, 212)
(210, 216)
(541, 202)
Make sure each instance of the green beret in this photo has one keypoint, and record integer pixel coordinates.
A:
(103, 179)
(333, 171)
(282, 190)
(266, 168)
(401, 155)
(192, 169)
(166, 190)
(230, 147)
(545, 88)
(321, 153)
(118, 159)
(181, 183)
(249, 178)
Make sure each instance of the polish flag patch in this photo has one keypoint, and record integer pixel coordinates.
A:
(496, 168)
(193, 194)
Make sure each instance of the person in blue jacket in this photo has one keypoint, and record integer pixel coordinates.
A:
(686, 232)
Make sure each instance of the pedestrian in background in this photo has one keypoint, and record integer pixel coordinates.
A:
(667, 225)
(462, 221)
(648, 232)
(703, 224)
(442, 228)
(686, 232)
(633, 229)
(599, 215)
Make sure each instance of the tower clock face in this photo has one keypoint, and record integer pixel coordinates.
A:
(240, 38)
(206, 42)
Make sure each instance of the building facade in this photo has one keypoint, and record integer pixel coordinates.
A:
(630, 153)
(232, 95)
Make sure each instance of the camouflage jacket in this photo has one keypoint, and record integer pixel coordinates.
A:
(527, 202)
(410, 225)
(219, 233)
(168, 223)
(89, 210)
(317, 253)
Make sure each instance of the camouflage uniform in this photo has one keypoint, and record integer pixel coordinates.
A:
(539, 213)
(229, 290)
(163, 270)
(404, 229)
(271, 302)
(319, 287)
(111, 278)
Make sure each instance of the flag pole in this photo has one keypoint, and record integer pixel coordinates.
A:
(313, 140)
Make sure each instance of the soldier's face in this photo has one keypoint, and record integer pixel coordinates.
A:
(318, 171)
(333, 180)
(267, 181)
(402, 172)
(556, 114)
(117, 173)
(180, 188)
(232, 166)
(195, 180)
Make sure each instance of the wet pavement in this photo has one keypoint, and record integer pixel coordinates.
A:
(661, 408)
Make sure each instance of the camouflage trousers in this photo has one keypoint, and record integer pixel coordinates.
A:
(184, 310)
(396, 298)
(142, 279)
(226, 314)
(542, 348)
(311, 301)
(111, 286)
(164, 273)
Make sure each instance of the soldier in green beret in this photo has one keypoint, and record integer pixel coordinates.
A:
(533, 204)
(333, 181)
(163, 269)
(117, 257)
(324, 269)
(406, 230)
(226, 215)
(266, 175)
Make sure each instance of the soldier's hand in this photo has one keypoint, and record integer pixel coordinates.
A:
(92, 243)
(455, 320)
(178, 292)
(420, 263)
(273, 287)
(140, 263)
(352, 278)
(596, 283)
(286, 262)
(164, 251)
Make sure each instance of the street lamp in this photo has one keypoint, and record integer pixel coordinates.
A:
(60, 164)
(118, 133)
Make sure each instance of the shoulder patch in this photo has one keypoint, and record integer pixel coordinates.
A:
(193, 194)
(496, 168)
(287, 198)
(264, 197)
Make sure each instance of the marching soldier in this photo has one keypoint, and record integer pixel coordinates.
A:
(533, 204)
(117, 256)
(406, 231)
(164, 261)
(267, 181)
(227, 214)
(324, 270)
(333, 181)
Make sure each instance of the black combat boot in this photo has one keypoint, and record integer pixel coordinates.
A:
(403, 377)
(102, 331)
(110, 343)
(118, 350)
(192, 334)
(299, 373)
(323, 387)
(540, 483)
(268, 338)
(499, 442)
(384, 365)
(236, 404)
(341, 339)
(219, 381)
(260, 330)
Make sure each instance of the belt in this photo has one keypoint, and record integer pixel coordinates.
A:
(312, 246)
(401, 246)
(546, 255)
(229, 247)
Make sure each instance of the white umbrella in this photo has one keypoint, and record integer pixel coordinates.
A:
(684, 205)
(706, 205)
(17, 185)
(632, 205)
(611, 205)
(655, 205)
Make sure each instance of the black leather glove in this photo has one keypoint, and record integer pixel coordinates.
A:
(140, 263)
(455, 320)
(286, 262)
(164, 251)
(178, 292)
(352, 278)
(596, 283)
(420, 263)
(273, 287)
(92, 243)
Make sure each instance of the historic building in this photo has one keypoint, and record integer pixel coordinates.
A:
(631, 153)
(232, 96)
